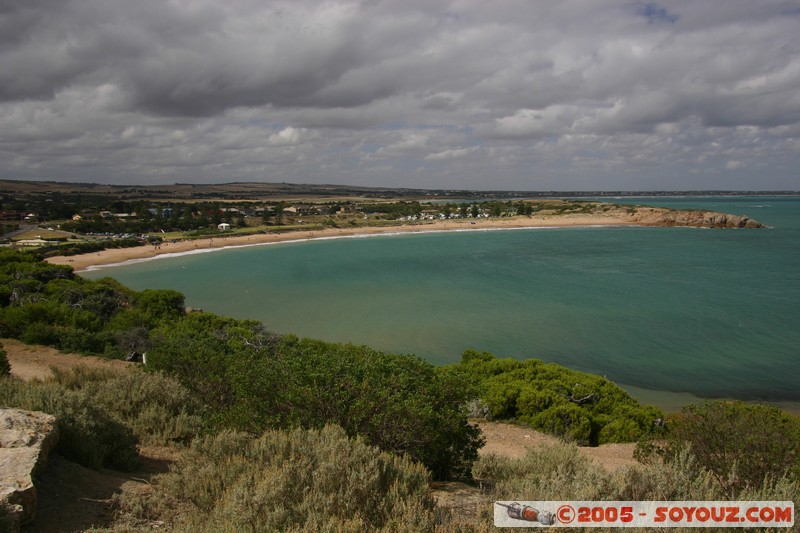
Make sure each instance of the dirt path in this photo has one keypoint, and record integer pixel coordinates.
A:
(74, 498)
(30, 361)
(510, 440)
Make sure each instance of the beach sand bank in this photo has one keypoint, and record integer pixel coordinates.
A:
(120, 255)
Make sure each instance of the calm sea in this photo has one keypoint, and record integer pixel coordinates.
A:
(711, 313)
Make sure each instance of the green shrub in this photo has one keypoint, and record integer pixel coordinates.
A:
(47, 304)
(574, 405)
(303, 480)
(88, 433)
(739, 444)
(254, 380)
(103, 414)
(565, 420)
(155, 407)
(557, 472)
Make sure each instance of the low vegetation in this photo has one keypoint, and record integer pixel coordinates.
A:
(104, 415)
(561, 473)
(739, 445)
(234, 482)
(89, 246)
(581, 407)
(48, 304)
(255, 380)
(299, 480)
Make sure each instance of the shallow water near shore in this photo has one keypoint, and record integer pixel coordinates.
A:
(714, 313)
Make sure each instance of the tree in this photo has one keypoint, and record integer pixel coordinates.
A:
(279, 212)
(756, 442)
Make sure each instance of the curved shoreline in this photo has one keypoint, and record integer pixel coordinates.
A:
(118, 256)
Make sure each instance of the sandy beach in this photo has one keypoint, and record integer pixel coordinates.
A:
(120, 255)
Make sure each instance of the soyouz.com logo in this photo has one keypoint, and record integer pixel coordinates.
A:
(644, 514)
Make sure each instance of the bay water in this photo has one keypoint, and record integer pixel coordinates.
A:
(669, 313)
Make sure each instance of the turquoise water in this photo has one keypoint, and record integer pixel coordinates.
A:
(714, 313)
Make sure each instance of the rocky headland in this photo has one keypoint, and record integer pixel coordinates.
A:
(655, 216)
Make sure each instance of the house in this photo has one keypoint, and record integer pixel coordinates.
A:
(224, 226)
(299, 210)
(32, 242)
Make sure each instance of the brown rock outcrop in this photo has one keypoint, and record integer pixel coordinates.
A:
(26, 439)
(654, 216)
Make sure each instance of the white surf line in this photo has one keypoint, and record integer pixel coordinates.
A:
(170, 255)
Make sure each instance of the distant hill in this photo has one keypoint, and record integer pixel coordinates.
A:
(263, 191)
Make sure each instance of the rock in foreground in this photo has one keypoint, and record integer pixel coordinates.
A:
(26, 439)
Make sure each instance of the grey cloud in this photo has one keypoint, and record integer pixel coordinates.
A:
(249, 88)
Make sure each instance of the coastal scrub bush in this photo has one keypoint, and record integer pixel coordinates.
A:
(103, 414)
(155, 407)
(581, 407)
(47, 304)
(552, 472)
(299, 480)
(88, 434)
(255, 380)
(396, 402)
(198, 351)
(561, 472)
(739, 444)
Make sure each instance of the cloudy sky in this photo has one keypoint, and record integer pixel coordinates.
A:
(479, 94)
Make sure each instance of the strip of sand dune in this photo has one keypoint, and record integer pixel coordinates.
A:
(120, 255)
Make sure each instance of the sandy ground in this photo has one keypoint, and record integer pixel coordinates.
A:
(510, 440)
(119, 255)
(34, 362)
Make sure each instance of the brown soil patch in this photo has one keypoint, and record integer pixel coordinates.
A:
(75, 498)
(29, 361)
(511, 440)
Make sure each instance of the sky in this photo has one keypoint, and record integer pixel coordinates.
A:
(462, 94)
